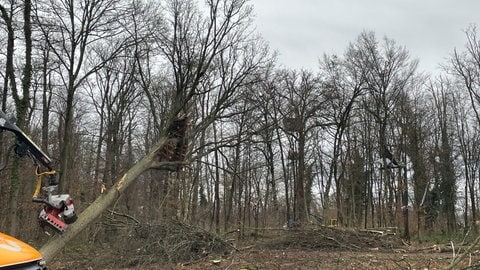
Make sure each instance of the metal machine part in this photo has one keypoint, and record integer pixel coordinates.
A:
(57, 210)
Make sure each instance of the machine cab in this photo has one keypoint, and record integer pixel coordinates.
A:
(15, 254)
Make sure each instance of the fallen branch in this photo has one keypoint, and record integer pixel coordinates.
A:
(459, 258)
(124, 215)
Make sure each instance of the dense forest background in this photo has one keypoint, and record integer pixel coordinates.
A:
(366, 138)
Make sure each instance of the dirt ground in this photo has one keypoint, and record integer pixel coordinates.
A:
(312, 259)
(177, 246)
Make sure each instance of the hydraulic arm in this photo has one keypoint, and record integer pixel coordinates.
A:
(57, 210)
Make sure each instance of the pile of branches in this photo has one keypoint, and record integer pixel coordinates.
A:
(122, 242)
(324, 238)
(174, 242)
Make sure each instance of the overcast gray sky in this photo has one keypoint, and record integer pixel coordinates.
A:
(303, 30)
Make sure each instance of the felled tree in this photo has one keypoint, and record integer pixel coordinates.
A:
(168, 154)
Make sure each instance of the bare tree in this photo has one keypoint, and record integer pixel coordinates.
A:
(465, 68)
(21, 97)
(303, 101)
(388, 72)
(72, 30)
(468, 142)
(415, 121)
(344, 81)
(268, 131)
(445, 184)
(212, 59)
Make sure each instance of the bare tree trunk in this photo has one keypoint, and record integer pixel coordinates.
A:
(285, 177)
(300, 202)
(10, 80)
(216, 210)
(22, 100)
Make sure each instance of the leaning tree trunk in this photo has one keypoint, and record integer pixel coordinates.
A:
(167, 154)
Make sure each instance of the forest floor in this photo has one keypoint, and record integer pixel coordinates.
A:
(178, 246)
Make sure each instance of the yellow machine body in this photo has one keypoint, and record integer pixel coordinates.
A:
(14, 252)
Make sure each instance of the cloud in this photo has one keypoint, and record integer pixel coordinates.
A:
(303, 30)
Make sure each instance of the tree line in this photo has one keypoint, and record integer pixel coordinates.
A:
(366, 138)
